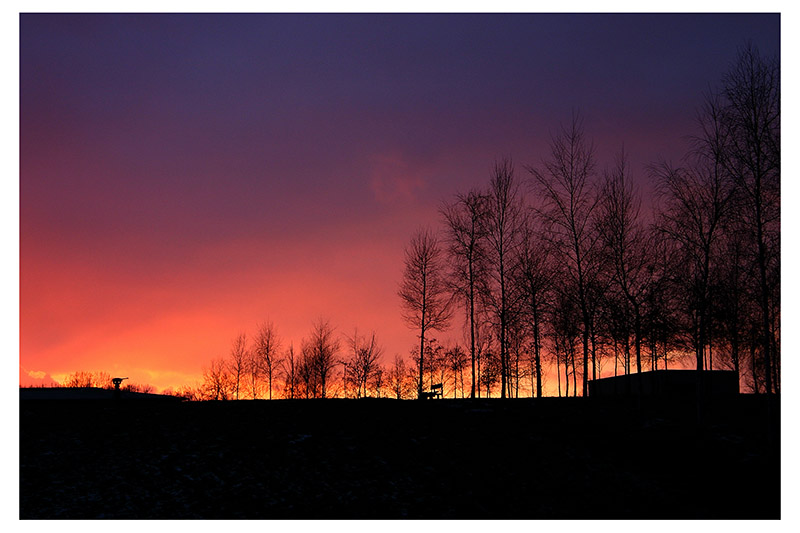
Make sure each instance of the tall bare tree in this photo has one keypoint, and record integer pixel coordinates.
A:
(741, 132)
(238, 362)
(663, 309)
(398, 378)
(378, 380)
(289, 367)
(490, 370)
(456, 360)
(626, 243)
(465, 220)
(696, 202)
(434, 364)
(565, 185)
(732, 306)
(319, 351)
(485, 346)
(365, 354)
(253, 374)
(535, 278)
(266, 349)
(423, 291)
(503, 230)
(566, 327)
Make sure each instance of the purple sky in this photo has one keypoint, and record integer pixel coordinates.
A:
(186, 176)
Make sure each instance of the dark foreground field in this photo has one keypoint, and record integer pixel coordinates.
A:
(521, 459)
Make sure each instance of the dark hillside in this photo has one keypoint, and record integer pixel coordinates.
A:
(522, 459)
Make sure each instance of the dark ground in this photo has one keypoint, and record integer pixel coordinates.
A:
(456, 459)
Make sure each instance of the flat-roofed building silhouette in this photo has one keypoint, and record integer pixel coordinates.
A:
(666, 383)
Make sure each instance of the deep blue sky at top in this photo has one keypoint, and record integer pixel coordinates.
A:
(305, 100)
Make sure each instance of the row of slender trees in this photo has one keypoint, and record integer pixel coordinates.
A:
(252, 368)
(557, 275)
(327, 365)
(563, 267)
(333, 365)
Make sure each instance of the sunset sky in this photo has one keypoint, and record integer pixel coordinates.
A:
(185, 177)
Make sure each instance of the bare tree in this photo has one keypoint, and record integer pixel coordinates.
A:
(266, 346)
(565, 186)
(565, 322)
(484, 344)
(289, 372)
(347, 380)
(412, 376)
(191, 393)
(625, 243)
(253, 374)
(617, 323)
(503, 227)
(535, 278)
(663, 313)
(433, 363)
(490, 371)
(741, 132)
(456, 360)
(731, 304)
(696, 201)
(217, 381)
(319, 358)
(466, 223)
(398, 378)
(365, 354)
(517, 371)
(238, 362)
(378, 380)
(436, 361)
(83, 378)
(423, 291)
(78, 379)
(535, 372)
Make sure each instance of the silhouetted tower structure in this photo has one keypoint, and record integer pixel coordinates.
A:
(117, 382)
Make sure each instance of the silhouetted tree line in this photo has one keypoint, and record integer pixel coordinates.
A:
(557, 273)
(327, 365)
(562, 268)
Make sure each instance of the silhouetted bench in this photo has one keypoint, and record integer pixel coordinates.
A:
(436, 392)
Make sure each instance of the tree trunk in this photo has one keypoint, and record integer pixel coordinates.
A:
(764, 286)
(627, 354)
(574, 368)
(472, 325)
(710, 357)
(594, 355)
(585, 357)
(421, 355)
(537, 352)
(558, 368)
(638, 340)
